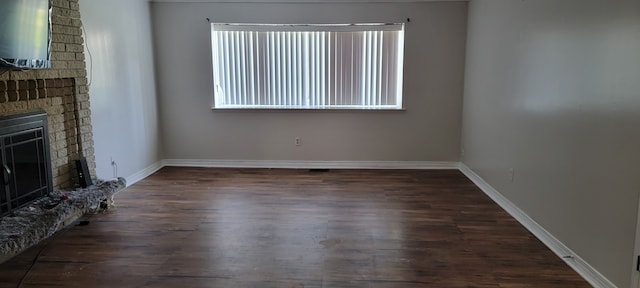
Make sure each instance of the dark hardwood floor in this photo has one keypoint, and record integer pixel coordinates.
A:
(202, 227)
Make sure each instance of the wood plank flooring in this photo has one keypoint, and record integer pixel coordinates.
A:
(205, 227)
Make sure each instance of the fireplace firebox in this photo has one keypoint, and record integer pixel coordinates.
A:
(24, 160)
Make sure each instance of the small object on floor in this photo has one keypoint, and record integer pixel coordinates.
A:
(84, 223)
(48, 204)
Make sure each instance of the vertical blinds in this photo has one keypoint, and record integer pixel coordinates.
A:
(308, 66)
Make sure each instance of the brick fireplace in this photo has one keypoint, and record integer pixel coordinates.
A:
(61, 91)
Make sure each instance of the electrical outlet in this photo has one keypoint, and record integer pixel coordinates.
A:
(298, 141)
(511, 174)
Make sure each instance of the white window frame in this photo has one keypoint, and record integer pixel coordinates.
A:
(310, 66)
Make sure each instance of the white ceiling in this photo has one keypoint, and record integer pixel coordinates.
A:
(305, 1)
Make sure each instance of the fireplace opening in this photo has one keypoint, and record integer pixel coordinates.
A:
(24, 160)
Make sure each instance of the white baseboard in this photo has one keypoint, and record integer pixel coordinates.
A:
(312, 164)
(144, 173)
(571, 258)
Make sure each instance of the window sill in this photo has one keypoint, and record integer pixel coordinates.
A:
(280, 109)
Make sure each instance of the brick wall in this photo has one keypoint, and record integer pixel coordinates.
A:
(61, 91)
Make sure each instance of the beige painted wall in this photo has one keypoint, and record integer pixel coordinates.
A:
(120, 67)
(553, 91)
(429, 130)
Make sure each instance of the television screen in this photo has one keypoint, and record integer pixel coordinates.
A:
(25, 34)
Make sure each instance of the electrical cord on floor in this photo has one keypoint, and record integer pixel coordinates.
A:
(33, 263)
(45, 244)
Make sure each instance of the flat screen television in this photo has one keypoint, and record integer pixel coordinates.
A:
(25, 34)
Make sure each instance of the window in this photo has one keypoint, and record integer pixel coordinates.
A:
(266, 66)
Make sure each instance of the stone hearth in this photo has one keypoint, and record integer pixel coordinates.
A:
(39, 220)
